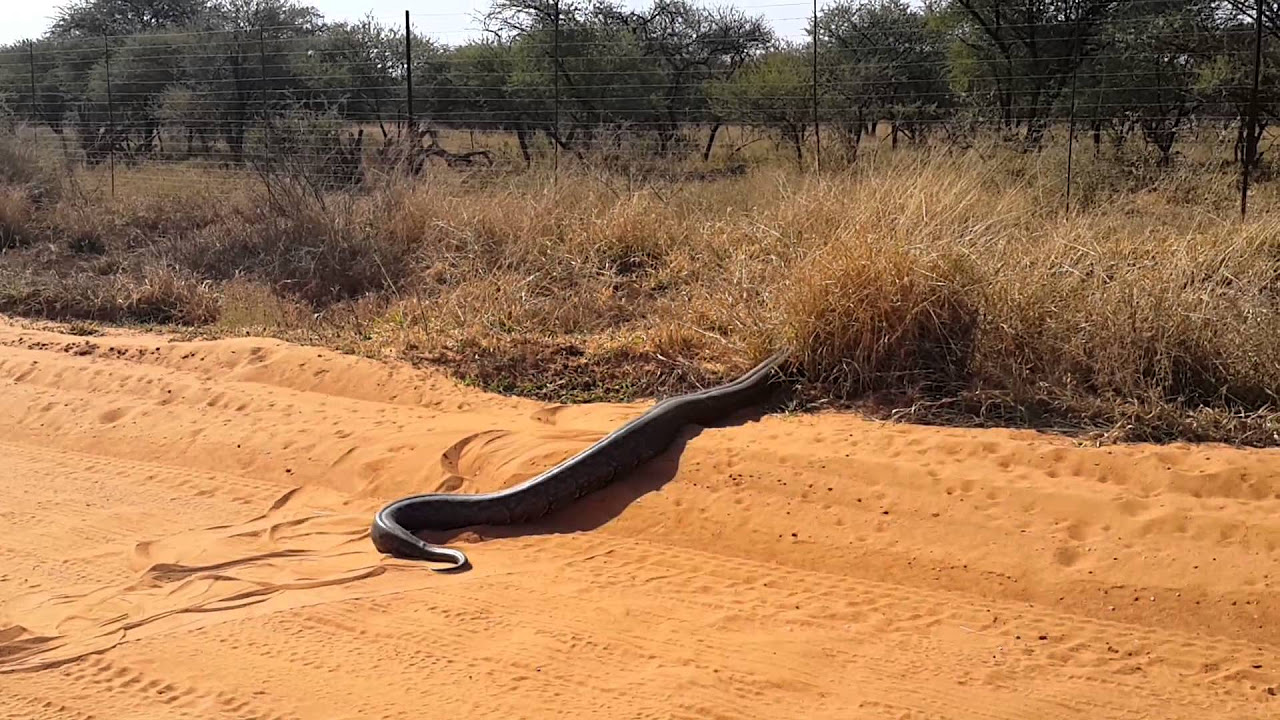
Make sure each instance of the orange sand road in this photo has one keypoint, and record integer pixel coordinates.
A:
(182, 535)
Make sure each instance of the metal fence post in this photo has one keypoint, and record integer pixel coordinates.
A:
(817, 127)
(31, 59)
(408, 73)
(1251, 130)
(262, 99)
(555, 73)
(1071, 133)
(111, 115)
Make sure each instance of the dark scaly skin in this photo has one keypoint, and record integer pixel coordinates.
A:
(609, 459)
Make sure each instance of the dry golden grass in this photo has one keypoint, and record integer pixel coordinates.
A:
(15, 218)
(944, 286)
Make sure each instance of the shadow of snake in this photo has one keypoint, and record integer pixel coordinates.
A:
(609, 459)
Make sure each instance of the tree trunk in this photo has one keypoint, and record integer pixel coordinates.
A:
(1006, 98)
(1037, 125)
(234, 135)
(1163, 138)
(1251, 141)
(151, 136)
(858, 128)
(522, 137)
(711, 141)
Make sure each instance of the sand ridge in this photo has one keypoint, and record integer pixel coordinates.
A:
(185, 535)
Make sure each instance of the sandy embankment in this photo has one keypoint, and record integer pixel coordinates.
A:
(184, 527)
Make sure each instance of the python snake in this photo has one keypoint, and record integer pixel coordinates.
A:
(609, 459)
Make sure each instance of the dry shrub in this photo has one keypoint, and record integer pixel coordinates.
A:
(16, 227)
(152, 294)
(887, 293)
(869, 316)
(319, 254)
(29, 166)
(1178, 315)
(28, 180)
(81, 226)
(508, 260)
(249, 306)
(1153, 315)
(145, 220)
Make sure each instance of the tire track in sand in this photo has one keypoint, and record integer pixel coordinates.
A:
(93, 595)
(201, 552)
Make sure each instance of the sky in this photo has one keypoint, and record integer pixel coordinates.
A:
(451, 21)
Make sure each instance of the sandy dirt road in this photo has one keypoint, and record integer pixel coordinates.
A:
(183, 535)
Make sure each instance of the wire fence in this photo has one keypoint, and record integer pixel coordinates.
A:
(675, 85)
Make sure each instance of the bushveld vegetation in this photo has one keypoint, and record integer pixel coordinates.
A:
(930, 272)
(177, 79)
(942, 286)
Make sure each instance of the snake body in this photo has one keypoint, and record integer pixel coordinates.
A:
(609, 459)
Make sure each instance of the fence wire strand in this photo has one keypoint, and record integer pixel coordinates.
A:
(685, 85)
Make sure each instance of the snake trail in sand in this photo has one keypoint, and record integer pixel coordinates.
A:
(609, 459)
